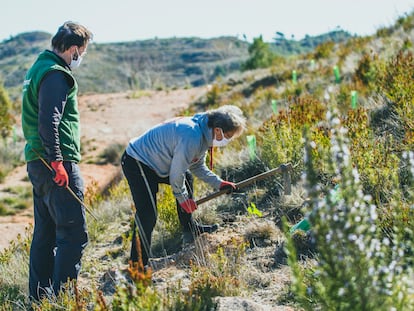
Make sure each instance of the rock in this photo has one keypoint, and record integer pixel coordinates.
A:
(110, 280)
(243, 304)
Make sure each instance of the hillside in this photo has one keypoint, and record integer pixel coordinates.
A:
(123, 66)
(284, 46)
(147, 64)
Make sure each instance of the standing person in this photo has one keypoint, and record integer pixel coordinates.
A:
(50, 121)
(168, 153)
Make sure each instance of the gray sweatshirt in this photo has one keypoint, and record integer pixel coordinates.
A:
(175, 146)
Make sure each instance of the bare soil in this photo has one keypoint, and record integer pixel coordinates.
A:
(107, 120)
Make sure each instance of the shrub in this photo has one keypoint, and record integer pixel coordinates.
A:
(167, 212)
(221, 277)
(137, 296)
(323, 50)
(396, 84)
(260, 55)
(367, 71)
(10, 156)
(396, 80)
(14, 263)
(70, 298)
(112, 154)
(406, 22)
(358, 268)
(6, 119)
(372, 156)
(281, 136)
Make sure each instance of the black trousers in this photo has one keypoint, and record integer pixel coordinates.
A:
(146, 203)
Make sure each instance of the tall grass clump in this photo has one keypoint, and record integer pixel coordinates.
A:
(14, 264)
(219, 277)
(115, 207)
(358, 266)
(11, 155)
(71, 297)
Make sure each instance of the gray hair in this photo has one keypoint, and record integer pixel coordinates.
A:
(229, 118)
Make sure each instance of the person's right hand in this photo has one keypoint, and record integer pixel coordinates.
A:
(61, 177)
(189, 206)
(231, 186)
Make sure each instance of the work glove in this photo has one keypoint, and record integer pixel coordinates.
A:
(231, 186)
(189, 206)
(61, 177)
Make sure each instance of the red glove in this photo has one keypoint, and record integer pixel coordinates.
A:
(61, 176)
(189, 206)
(228, 185)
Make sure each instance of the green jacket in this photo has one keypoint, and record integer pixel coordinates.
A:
(69, 126)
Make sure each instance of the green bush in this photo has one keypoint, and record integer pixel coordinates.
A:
(167, 212)
(372, 156)
(324, 50)
(396, 84)
(281, 137)
(260, 55)
(367, 70)
(6, 119)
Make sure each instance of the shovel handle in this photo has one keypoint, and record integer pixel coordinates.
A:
(282, 168)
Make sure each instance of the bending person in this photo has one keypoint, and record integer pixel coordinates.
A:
(170, 153)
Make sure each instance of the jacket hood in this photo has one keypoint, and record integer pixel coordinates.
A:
(202, 120)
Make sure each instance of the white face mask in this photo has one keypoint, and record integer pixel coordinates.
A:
(74, 63)
(221, 143)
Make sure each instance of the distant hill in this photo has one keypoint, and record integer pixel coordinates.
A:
(284, 46)
(147, 64)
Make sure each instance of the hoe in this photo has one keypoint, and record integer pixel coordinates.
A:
(284, 169)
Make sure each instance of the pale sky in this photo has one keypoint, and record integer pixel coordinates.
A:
(129, 20)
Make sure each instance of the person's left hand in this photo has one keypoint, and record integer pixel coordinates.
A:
(231, 186)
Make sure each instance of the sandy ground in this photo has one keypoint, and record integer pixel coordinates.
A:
(106, 119)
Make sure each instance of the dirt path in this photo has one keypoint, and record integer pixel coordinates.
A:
(107, 119)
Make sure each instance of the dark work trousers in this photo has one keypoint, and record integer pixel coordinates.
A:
(146, 213)
(60, 233)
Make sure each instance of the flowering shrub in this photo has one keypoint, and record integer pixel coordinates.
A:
(359, 267)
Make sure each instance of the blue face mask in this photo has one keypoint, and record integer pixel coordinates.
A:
(221, 143)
